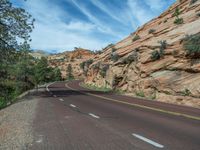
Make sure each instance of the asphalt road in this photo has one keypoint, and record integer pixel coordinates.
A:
(70, 117)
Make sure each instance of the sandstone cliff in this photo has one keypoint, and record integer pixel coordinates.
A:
(74, 58)
(143, 66)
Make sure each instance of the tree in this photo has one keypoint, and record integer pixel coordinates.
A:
(15, 25)
(69, 72)
(57, 74)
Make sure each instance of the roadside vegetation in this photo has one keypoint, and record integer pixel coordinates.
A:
(70, 75)
(19, 71)
(96, 88)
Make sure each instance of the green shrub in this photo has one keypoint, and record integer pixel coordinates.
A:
(176, 14)
(193, 1)
(103, 70)
(132, 57)
(96, 66)
(155, 55)
(114, 57)
(140, 93)
(152, 31)
(135, 38)
(178, 21)
(82, 65)
(113, 50)
(192, 46)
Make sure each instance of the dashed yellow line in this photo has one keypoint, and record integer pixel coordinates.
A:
(140, 106)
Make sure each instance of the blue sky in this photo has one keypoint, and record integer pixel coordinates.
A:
(64, 24)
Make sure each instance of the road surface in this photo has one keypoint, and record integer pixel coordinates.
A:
(70, 117)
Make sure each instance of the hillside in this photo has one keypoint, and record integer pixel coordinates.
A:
(75, 57)
(38, 54)
(153, 62)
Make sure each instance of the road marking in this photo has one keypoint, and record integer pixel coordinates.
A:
(61, 99)
(72, 105)
(93, 115)
(138, 105)
(148, 140)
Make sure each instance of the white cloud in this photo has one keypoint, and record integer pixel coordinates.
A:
(140, 14)
(52, 33)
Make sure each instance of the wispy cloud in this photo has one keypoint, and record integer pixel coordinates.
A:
(64, 24)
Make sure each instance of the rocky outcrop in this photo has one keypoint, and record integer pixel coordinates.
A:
(158, 70)
(74, 58)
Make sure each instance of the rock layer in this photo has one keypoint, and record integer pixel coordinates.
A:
(173, 78)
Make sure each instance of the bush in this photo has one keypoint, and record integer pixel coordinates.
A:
(155, 55)
(178, 21)
(113, 50)
(82, 65)
(193, 1)
(176, 14)
(104, 70)
(96, 66)
(135, 38)
(152, 31)
(192, 46)
(132, 57)
(140, 94)
(114, 57)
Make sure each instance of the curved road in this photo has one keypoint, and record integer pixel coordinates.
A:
(70, 117)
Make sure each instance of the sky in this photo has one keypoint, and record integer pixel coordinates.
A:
(62, 25)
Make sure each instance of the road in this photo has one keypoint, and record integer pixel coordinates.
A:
(70, 117)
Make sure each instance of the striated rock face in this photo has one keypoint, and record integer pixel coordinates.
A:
(74, 58)
(171, 77)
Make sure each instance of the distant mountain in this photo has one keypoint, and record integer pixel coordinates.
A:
(39, 53)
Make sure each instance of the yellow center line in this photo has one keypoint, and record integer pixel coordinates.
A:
(139, 105)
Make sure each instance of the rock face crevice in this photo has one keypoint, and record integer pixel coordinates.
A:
(172, 77)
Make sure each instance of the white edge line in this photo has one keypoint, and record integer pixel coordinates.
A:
(93, 115)
(72, 105)
(148, 140)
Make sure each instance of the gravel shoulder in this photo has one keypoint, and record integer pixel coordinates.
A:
(16, 124)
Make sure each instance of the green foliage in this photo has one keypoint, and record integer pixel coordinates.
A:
(70, 75)
(16, 65)
(135, 38)
(114, 57)
(192, 46)
(132, 57)
(155, 55)
(176, 14)
(140, 93)
(103, 70)
(186, 92)
(193, 1)
(96, 66)
(85, 64)
(178, 21)
(152, 31)
(113, 50)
